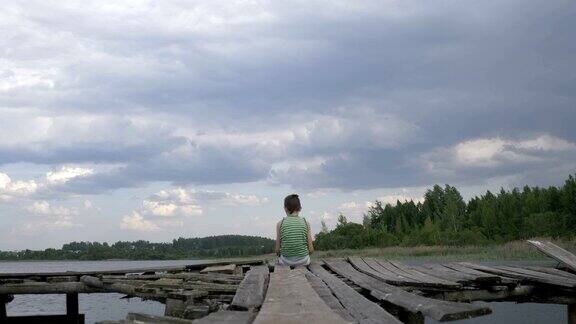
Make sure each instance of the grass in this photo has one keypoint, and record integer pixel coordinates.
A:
(516, 250)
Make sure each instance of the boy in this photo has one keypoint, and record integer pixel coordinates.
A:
(293, 235)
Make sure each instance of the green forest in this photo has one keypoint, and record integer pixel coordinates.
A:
(444, 218)
(223, 246)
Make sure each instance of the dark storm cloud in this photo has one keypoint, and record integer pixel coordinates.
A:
(358, 95)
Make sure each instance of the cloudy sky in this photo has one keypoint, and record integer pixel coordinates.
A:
(153, 120)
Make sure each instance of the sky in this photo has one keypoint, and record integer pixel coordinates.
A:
(153, 120)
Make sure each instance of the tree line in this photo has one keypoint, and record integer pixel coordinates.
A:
(444, 218)
(222, 246)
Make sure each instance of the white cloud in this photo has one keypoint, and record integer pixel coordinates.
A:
(496, 151)
(11, 190)
(393, 199)
(67, 173)
(136, 222)
(167, 207)
(47, 217)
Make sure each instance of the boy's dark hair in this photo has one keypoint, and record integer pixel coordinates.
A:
(292, 203)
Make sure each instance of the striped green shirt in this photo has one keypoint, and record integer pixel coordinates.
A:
(293, 237)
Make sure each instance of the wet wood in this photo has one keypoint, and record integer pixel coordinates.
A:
(554, 251)
(291, 299)
(359, 307)
(252, 290)
(437, 309)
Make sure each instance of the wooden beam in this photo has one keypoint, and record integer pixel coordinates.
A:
(252, 290)
(72, 307)
(360, 308)
(571, 313)
(227, 317)
(437, 309)
(554, 251)
(46, 288)
(291, 299)
(326, 294)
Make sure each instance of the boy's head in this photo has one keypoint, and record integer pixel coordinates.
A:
(292, 204)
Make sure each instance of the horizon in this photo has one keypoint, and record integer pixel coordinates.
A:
(133, 121)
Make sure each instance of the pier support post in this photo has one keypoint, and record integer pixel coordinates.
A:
(4, 299)
(72, 304)
(571, 313)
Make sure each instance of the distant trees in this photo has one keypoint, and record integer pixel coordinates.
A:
(222, 246)
(445, 218)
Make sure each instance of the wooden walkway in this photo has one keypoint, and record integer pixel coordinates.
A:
(354, 290)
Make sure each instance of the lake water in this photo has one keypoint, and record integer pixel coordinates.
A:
(107, 306)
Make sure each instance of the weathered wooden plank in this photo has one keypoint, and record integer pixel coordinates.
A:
(425, 278)
(441, 271)
(359, 307)
(553, 271)
(458, 267)
(437, 309)
(400, 278)
(554, 251)
(518, 273)
(326, 294)
(228, 268)
(539, 274)
(46, 288)
(362, 266)
(145, 318)
(291, 299)
(227, 317)
(464, 277)
(252, 290)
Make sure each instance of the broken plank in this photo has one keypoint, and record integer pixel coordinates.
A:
(520, 274)
(228, 268)
(252, 290)
(554, 251)
(291, 299)
(326, 294)
(437, 309)
(359, 307)
(227, 317)
(486, 276)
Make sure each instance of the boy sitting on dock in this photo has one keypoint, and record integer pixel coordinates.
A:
(293, 235)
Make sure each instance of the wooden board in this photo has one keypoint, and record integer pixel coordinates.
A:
(488, 276)
(291, 299)
(364, 267)
(522, 274)
(399, 278)
(227, 317)
(437, 309)
(554, 251)
(228, 268)
(252, 290)
(424, 277)
(359, 307)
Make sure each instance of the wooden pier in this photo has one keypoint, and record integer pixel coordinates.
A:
(352, 290)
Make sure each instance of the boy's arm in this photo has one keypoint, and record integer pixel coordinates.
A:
(310, 242)
(278, 238)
